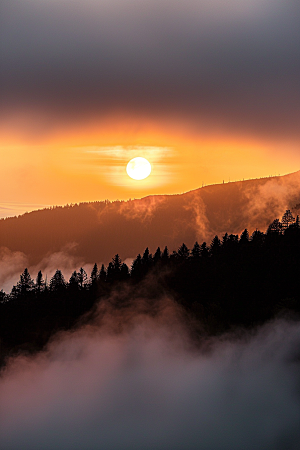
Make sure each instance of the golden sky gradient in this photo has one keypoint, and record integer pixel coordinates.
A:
(90, 165)
(206, 94)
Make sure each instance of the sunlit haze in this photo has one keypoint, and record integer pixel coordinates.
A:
(204, 93)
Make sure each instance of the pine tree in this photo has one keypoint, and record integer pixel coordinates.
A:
(117, 263)
(157, 256)
(102, 274)
(196, 251)
(40, 283)
(136, 267)
(275, 227)
(204, 250)
(258, 238)
(124, 272)
(73, 281)
(146, 257)
(287, 219)
(82, 278)
(110, 274)
(165, 255)
(94, 273)
(25, 284)
(183, 252)
(215, 246)
(57, 282)
(244, 239)
(224, 239)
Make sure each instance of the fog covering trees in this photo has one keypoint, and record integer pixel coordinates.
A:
(235, 281)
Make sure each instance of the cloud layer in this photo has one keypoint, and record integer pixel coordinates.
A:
(213, 65)
(137, 383)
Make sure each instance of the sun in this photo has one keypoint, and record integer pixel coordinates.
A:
(138, 168)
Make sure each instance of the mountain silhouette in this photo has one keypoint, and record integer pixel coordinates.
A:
(95, 231)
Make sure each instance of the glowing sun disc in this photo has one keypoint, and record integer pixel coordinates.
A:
(138, 168)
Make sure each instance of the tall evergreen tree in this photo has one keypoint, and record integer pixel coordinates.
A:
(215, 246)
(165, 255)
(287, 219)
(110, 274)
(275, 227)
(258, 238)
(204, 250)
(25, 284)
(124, 272)
(82, 278)
(157, 255)
(244, 239)
(74, 281)
(196, 251)
(146, 257)
(39, 283)
(94, 273)
(102, 273)
(183, 252)
(57, 282)
(136, 267)
(117, 263)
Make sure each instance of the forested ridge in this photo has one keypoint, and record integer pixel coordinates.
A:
(235, 281)
(93, 230)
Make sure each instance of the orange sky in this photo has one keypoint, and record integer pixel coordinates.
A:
(87, 164)
(205, 93)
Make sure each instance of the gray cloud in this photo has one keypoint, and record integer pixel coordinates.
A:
(214, 64)
(144, 387)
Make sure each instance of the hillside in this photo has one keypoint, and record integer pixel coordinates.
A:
(90, 231)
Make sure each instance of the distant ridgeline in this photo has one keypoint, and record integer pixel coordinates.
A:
(94, 231)
(236, 281)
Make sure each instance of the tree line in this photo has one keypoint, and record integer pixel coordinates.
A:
(234, 281)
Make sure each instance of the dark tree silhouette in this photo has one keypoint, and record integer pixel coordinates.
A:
(275, 227)
(196, 251)
(157, 255)
(236, 283)
(287, 219)
(215, 246)
(258, 238)
(165, 255)
(110, 274)
(244, 239)
(183, 252)
(102, 273)
(94, 273)
(82, 278)
(124, 272)
(57, 282)
(204, 250)
(40, 283)
(136, 267)
(146, 259)
(74, 281)
(25, 284)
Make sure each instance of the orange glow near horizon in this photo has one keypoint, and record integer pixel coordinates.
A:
(88, 163)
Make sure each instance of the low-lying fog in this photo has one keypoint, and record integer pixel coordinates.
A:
(137, 383)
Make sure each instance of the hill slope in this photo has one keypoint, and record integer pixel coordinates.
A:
(96, 231)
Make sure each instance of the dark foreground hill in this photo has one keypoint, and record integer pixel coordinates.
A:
(235, 284)
(95, 231)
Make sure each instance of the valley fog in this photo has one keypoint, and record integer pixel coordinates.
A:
(132, 379)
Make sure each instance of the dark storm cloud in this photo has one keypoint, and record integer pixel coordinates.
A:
(215, 63)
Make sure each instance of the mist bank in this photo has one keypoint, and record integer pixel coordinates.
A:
(93, 232)
(130, 380)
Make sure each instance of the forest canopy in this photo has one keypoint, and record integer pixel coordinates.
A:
(234, 281)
